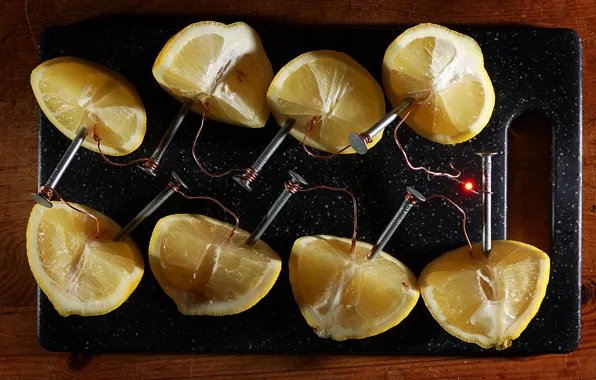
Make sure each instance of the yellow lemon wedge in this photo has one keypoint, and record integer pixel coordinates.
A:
(204, 273)
(81, 274)
(490, 301)
(444, 71)
(73, 92)
(224, 65)
(332, 88)
(345, 296)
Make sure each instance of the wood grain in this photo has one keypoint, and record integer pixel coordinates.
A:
(21, 357)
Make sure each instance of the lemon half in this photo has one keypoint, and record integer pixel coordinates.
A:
(79, 273)
(224, 65)
(331, 87)
(490, 301)
(444, 71)
(73, 92)
(203, 273)
(345, 296)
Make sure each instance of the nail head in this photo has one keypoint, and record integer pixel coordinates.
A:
(416, 194)
(41, 200)
(242, 182)
(358, 143)
(483, 154)
(150, 171)
(297, 178)
(179, 180)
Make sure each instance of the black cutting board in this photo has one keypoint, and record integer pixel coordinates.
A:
(531, 69)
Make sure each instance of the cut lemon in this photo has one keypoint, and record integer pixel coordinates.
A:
(332, 88)
(73, 92)
(203, 273)
(345, 296)
(224, 65)
(79, 273)
(486, 301)
(444, 70)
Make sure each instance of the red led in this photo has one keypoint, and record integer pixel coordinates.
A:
(468, 185)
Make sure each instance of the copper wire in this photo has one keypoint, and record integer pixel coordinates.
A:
(366, 137)
(49, 192)
(311, 125)
(438, 174)
(148, 162)
(151, 164)
(46, 192)
(194, 146)
(292, 187)
(411, 198)
(461, 210)
(297, 188)
(250, 175)
(177, 189)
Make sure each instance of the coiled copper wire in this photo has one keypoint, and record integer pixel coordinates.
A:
(292, 187)
(250, 175)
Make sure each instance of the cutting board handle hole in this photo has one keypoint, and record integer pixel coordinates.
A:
(528, 185)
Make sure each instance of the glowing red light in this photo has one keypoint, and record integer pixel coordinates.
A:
(468, 185)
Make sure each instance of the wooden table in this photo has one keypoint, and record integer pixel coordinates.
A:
(21, 357)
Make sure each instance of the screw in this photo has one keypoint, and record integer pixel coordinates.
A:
(44, 197)
(150, 208)
(412, 197)
(275, 209)
(487, 241)
(359, 142)
(151, 166)
(259, 164)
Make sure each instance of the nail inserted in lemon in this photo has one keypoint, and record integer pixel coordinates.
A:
(79, 272)
(222, 65)
(330, 89)
(444, 72)
(73, 92)
(348, 296)
(203, 272)
(490, 301)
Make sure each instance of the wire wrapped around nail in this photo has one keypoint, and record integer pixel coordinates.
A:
(250, 175)
(292, 187)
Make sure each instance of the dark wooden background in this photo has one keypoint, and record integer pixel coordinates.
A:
(21, 357)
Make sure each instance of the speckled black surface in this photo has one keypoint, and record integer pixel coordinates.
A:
(531, 69)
